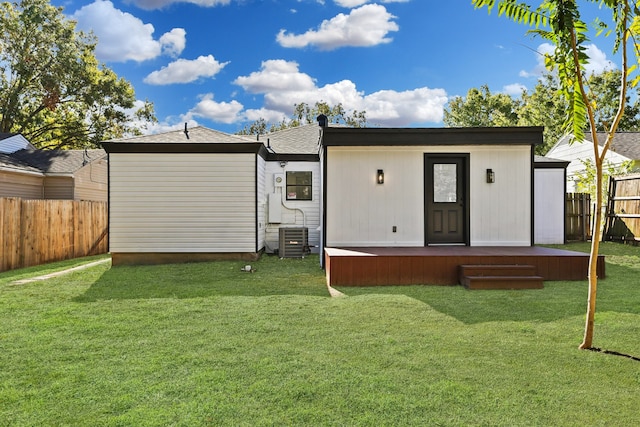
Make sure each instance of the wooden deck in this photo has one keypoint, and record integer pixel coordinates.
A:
(439, 265)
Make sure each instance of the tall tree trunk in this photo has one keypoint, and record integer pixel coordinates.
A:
(587, 341)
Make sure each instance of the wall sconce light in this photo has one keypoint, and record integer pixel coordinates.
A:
(380, 177)
(491, 176)
(283, 163)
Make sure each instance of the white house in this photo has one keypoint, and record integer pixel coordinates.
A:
(625, 148)
(200, 194)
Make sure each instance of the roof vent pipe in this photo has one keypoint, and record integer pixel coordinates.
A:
(323, 121)
(186, 131)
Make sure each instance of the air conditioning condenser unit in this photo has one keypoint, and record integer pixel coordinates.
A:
(294, 242)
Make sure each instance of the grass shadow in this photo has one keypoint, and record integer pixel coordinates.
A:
(272, 276)
(619, 292)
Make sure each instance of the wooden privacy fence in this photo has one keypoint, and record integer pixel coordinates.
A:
(578, 219)
(39, 231)
(623, 209)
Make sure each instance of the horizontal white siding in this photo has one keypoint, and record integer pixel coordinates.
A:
(261, 197)
(13, 144)
(295, 213)
(91, 182)
(363, 213)
(58, 187)
(26, 186)
(182, 202)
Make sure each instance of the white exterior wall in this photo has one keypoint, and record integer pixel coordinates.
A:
(262, 202)
(91, 181)
(295, 213)
(363, 213)
(549, 206)
(200, 202)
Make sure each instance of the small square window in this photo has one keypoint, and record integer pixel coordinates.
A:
(299, 186)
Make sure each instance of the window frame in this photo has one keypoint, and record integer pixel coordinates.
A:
(298, 187)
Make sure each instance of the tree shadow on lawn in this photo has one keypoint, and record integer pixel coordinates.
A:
(272, 276)
(619, 292)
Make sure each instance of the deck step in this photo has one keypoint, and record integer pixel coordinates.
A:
(489, 276)
(503, 282)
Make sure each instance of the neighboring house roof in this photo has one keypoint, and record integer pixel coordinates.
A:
(626, 144)
(7, 162)
(198, 134)
(12, 142)
(298, 140)
(57, 161)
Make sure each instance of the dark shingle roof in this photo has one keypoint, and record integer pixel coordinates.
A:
(624, 143)
(8, 162)
(198, 134)
(57, 161)
(298, 140)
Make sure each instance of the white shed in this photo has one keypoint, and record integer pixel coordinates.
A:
(420, 187)
(550, 200)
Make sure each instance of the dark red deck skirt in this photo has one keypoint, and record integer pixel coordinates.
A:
(438, 265)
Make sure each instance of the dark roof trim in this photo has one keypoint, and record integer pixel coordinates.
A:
(275, 157)
(222, 148)
(559, 164)
(431, 136)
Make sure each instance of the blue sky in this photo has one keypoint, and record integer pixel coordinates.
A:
(225, 63)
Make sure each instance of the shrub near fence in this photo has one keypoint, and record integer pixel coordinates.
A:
(39, 231)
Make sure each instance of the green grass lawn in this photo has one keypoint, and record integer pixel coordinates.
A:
(206, 344)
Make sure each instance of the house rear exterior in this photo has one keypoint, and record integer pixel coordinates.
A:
(204, 195)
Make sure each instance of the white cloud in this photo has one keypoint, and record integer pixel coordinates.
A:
(276, 75)
(186, 71)
(514, 89)
(368, 25)
(598, 60)
(122, 36)
(356, 3)
(283, 85)
(159, 4)
(173, 42)
(222, 112)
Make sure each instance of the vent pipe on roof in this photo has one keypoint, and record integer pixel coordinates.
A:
(186, 131)
(323, 121)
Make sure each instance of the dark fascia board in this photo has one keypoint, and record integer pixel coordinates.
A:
(277, 157)
(432, 136)
(223, 148)
(560, 164)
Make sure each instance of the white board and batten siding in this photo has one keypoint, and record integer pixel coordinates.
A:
(183, 202)
(549, 206)
(293, 213)
(363, 213)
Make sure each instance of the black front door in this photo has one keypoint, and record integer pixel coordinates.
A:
(446, 199)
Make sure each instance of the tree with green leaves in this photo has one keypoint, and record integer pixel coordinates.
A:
(560, 23)
(544, 106)
(53, 90)
(303, 114)
(481, 108)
